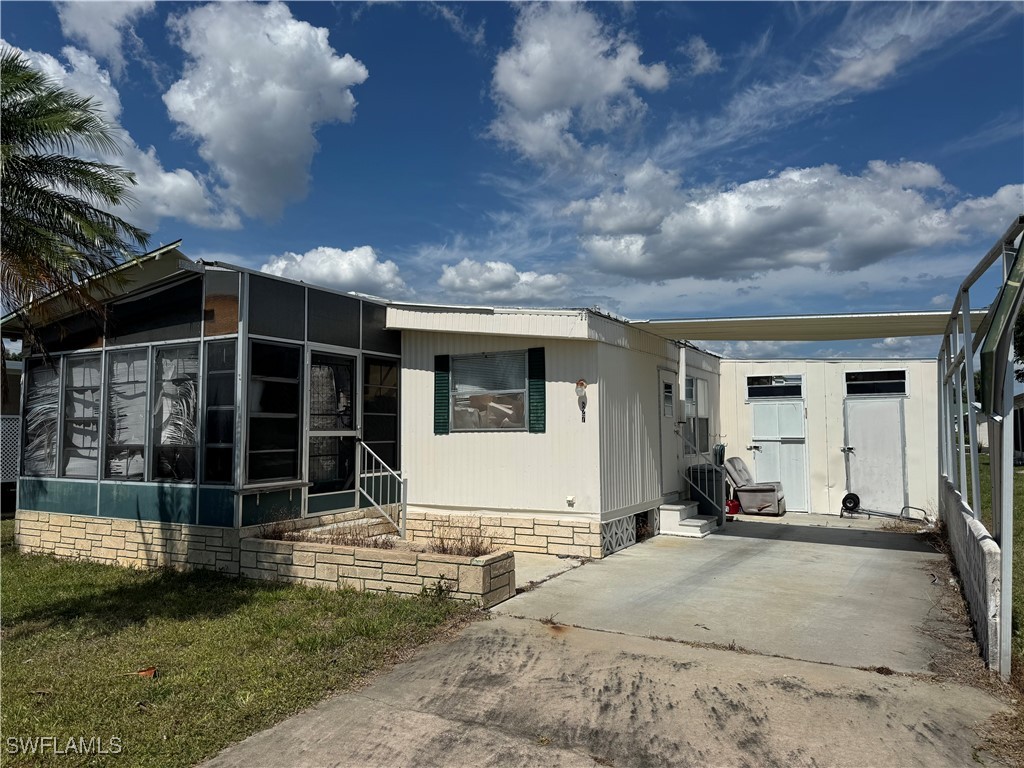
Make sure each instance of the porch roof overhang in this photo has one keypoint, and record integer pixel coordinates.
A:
(132, 275)
(866, 325)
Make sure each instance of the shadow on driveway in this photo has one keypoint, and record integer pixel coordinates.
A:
(814, 534)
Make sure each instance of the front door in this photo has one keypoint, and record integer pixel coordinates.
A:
(876, 468)
(780, 448)
(331, 443)
(667, 405)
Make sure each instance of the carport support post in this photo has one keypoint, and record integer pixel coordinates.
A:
(1002, 503)
(961, 438)
(952, 421)
(972, 419)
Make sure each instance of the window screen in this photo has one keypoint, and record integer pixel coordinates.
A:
(774, 386)
(162, 314)
(276, 308)
(219, 458)
(489, 391)
(380, 409)
(876, 383)
(42, 394)
(174, 413)
(127, 374)
(274, 402)
(333, 319)
(82, 398)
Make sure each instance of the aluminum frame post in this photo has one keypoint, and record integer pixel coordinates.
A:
(972, 418)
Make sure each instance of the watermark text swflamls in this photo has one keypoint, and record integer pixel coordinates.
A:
(59, 745)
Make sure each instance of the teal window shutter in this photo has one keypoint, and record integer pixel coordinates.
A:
(442, 394)
(535, 383)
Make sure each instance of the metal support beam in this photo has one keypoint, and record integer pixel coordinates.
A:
(972, 419)
(1002, 488)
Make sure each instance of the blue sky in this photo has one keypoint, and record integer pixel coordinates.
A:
(655, 159)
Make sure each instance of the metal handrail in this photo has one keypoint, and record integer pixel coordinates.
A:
(710, 462)
(378, 481)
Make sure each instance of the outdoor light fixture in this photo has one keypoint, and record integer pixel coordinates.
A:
(581, 398)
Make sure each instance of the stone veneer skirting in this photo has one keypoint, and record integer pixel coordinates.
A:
(551, 536)
(487, 580)
(146, 544)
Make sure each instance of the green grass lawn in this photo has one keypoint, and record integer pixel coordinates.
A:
(985, 474)
(233, 656)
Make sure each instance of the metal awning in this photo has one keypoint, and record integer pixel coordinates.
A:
(867, 325)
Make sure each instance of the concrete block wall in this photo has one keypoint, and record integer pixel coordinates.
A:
(486, 580)
(550, 536)
(977, 559)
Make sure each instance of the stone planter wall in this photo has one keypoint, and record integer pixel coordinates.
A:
(486, 580)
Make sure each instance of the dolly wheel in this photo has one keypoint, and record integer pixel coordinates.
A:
(851, 503)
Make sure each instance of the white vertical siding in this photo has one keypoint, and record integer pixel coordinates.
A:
(503, 471)
(630, 437)
(824, 394)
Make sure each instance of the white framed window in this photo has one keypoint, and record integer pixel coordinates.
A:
(489, 391)
(83, 377)
(175, 407)
(891, 382)
(775, 386)
(127, 412)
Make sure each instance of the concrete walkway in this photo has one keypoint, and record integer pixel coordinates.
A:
(840, 595)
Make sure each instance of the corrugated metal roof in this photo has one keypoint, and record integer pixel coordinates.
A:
(868, 325)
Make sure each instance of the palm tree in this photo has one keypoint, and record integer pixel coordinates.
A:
(54, 231)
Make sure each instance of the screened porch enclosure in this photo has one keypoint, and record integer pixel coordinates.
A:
(211, 395)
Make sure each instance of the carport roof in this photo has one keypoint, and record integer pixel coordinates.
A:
(867, 325)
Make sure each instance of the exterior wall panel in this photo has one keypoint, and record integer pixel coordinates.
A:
(630, 436)
(507, 471)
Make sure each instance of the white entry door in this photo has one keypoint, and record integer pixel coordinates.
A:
(671, 481)
(780, 448)
(876, 462)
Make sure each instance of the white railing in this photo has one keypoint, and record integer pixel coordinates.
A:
(383, 487)
(990, 340)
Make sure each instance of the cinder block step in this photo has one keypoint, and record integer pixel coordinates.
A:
(682, 511)
(696, 527)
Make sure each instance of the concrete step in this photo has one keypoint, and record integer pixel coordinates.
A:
(684, 510)
(696, 527)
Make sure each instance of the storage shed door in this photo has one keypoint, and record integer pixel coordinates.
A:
(778, 431)
(876, 468)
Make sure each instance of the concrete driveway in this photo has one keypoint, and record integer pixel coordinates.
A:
(518, 691)
(838, 594)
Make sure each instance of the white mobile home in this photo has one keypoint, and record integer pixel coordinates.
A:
(544, 430)
(826, 427)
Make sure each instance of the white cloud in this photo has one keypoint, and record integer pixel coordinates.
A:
(160, 193)
(359, 270)
(256, 86)
(566, 76)
(816, 217)
(100, 26)
(499, 281)
(874, 44)
(941, 300)
(703, 58)
(456, 19)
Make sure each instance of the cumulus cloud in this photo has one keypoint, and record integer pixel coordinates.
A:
(566, 76)
(101, 26)
(256, 86)
(160, 193)
(499, 281)
(358, 269)
(815, 217)
(703, 58)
